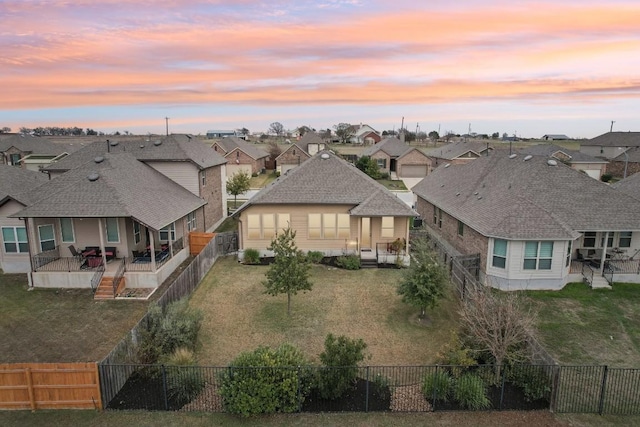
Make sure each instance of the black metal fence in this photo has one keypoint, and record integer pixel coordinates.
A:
(562, 389)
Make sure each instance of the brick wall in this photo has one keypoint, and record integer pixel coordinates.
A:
(415, 157)
(291, 155)
(470, 243)
(382, 155)
(616, 168)
(211, 192)
(239, 157)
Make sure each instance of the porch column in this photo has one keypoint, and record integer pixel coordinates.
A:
(604, 253)
(171, 240)
(152, 249)
(101, 231)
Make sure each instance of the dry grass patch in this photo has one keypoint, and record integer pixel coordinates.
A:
(239, 316)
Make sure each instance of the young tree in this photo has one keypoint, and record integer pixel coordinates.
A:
(274, 150)
(289, 272)
(5, 129)
(434, 136)
(238, 184)
(425, 282)
(277, 128)
(497, 322)
(369, 166)
(344, 132)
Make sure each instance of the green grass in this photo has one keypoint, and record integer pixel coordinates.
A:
(579, 325)
(59, 325)
(229, 224)
(397, 185)
(263, 179)
(239, 316)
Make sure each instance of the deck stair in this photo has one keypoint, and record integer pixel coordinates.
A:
(105, 288)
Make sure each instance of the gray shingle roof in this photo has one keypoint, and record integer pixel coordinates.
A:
(125, 188)
(32, 144)
(630, 186)
(174, 148)
(615, 139)
(517, 199)
(549, 150)
(231, 143)
(19, 183)
(632, 155)
(392, 146)
(456, 149)
(327, 179)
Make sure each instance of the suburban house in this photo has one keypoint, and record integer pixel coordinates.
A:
(16, 191)
(310, 144)
(626, 164)
(458, 152)
(535, 222)
(398, 159)
(334, 208)
(222, 133)
(364, 134)
(241, 155)
(555, 137)
(182, 158)
(110, 217)
(30, 152)
(592, 166)
(610, 145)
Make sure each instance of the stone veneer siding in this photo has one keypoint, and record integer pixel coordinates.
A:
(470, 243)
(616, 168)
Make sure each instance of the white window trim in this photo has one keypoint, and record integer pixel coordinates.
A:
(170, 231)
(137, 235)
(73, 231)
(191, 221)
(40, 236)
(537, 257)
(506, 254)
(16, 242)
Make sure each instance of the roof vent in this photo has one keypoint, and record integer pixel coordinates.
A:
(479, 197)
(324, 156)
(141, 145)
(447, 165)
(552, 162)
(513, 156)
(528, 157)
(457, 194)
(113, 143)
(99, 159)
(475, 193)
(93, 176)
(441, 185)
(157, 143)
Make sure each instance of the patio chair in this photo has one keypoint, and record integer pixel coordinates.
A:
(74, 252)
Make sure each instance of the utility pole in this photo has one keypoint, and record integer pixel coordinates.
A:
(166, 119)
(612, 122)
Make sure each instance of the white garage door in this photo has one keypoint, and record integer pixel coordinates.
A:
(285, 168)
(413, 171)
(233, 168)
(593, 173)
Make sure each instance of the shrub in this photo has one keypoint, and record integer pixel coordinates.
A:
(384, 175)
(348, 262)
(457, 355)
(439, 384)
(606, 177)
(277, 173)
(184, 377)
(176, 326)
(533, 380)
(340, 359)
(315, 257)
(251, 256)
(470, 392)
(381, 386)
(254, 174)
(257, 383)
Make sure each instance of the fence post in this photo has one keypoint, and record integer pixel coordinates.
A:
(366, 400)
(32, 399)
(164, 388)
(435, 388)
(603, 389)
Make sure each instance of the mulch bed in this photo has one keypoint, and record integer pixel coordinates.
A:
(354, 400)
(144, 391)
(513, 399)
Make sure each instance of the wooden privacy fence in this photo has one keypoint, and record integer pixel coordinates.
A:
(197, 241)
(49, 386)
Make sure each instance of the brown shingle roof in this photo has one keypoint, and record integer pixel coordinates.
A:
(19, 183)
(231, 143)
(515, 199)
(615, 139)
(392, 146)
(327, 179)
(456, 149)
(32, 144)
(630, 186)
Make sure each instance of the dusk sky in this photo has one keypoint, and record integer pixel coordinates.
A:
(524, 67)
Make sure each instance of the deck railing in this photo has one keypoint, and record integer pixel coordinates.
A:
(97, 277)
(117, 278)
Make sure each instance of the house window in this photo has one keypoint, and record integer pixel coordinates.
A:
(253, 226)
(14, 159)
(47, 238)
(203, 178)
(268, 226)
(538, 255)
(499, 253)
(589, 239)
(136, 232)
(113, 234)
(329, 226)
(215, 147)
(609, 240)
(168, 233)
(460, 228)
(15, 240)
(382, 163)
(344, 229)
(237, 154)
(387, 226)
(625, 239)
(437, 217)
(66, 229)
(568, 261)
(264, 226)
(315, 226)
(191, 221)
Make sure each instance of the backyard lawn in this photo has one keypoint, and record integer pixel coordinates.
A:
(579, 325)
(58, 325)
(239, 316)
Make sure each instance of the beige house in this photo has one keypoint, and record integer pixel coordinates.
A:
(333, 207)
(240, 155)
(592, 166)
(398, 159)
(458, 152)
(31, 152)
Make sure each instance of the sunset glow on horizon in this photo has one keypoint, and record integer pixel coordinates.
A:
(529, 68)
